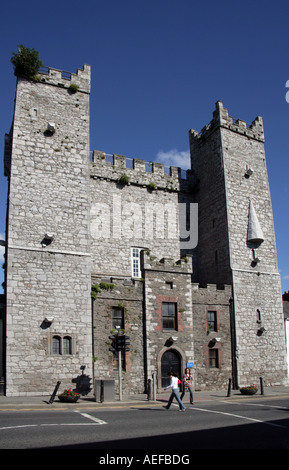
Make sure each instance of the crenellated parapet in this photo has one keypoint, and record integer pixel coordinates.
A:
(206, 290)
(221, 118)
(79, 81)
(152, 175)
(167, 264)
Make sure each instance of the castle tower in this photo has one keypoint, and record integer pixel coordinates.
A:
(48, 273)
(237, 241)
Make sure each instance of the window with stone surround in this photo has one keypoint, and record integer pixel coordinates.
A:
(56, 345)
(61, 345)
(212, 320)
(135, 262)
(213, 358)
(169, 315)
(117, 318)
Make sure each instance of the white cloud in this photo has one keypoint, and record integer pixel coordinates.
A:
(174, 158)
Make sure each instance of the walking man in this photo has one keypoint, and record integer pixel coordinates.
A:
(175, 392)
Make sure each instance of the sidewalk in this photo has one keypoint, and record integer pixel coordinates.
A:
(42, 402)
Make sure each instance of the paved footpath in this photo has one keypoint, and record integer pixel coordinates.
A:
(36, 402)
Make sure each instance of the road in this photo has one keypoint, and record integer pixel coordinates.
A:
(242, 423)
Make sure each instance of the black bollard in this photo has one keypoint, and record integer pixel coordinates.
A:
(149, 389)
(229, 388)
(101, 399)
(261, 386)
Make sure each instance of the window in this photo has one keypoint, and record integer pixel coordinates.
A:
(135, 262)
(212, 320)
(67, 345)
(213, 358)
(56, 345)
(169, 315)
(117, 318)
(258, 316)
(61, 345)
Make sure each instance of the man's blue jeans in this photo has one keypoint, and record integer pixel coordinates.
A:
(175, 394)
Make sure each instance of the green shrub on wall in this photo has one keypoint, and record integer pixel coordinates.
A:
(26, 62)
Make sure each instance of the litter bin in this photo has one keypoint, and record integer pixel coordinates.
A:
(104, 390)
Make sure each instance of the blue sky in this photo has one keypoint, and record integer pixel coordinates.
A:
(158, 67)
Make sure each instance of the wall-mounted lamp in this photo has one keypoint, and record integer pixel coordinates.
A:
(169, 342)
(249, 171)
(256, 260)
(213, 342)
(48, 238)
(51, 127)
(50, 130)
(261, 331)
(49, 319)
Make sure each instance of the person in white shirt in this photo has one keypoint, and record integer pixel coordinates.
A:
(175, 392)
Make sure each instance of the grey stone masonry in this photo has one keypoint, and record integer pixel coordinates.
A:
(226, 195)
(126, 296)
(218, 300)
(141, 212)
(168, 280)
(48, 272)
(184, 263)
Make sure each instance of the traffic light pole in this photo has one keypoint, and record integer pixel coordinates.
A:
(119, 375)
(119, 344)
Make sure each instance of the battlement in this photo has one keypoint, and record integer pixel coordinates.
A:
(221, 118)
(211, 287)
(211, 294)
(55, 77)
(166, 264)
(152, 175)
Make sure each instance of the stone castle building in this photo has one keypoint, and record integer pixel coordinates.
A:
(185, 264)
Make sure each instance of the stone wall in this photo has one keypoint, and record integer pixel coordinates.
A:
(72, 223)
(168, 280)
(143, 213)
(257, 286)
(211, 257)
(212, 298)
(127, 294)
(48, 262)
(239, 180)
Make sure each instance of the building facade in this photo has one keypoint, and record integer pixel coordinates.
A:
(185, 265)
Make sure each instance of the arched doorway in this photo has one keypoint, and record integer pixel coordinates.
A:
(170, 362)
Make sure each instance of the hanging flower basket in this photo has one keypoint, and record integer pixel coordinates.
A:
(68, 396)
(251, 390)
